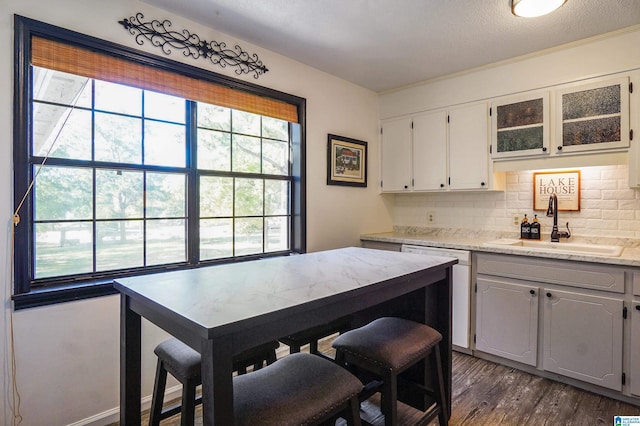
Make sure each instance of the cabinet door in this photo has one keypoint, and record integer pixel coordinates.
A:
(396, 155)
(634, 379)
(430, 151)
(507, 320)
(469, 147)
(520, 126)
(583, 337)
(593, 116)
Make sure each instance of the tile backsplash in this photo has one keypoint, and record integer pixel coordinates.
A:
(608, 207)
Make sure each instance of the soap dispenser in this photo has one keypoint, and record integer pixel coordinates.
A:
(535, 228)
(525, 229)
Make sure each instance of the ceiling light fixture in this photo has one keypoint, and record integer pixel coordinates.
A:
(533, 8)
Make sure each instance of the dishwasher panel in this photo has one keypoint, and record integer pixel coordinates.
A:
(461, 289)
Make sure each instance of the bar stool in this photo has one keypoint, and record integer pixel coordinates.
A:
(313, 335)
(388, 346)
(183, 363)
(299, 389)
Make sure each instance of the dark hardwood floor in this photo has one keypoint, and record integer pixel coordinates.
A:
(489, 394)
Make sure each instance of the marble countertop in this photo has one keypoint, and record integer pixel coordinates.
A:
(464, 239)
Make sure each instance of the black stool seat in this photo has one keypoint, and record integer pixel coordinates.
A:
(312, 335)
(184, 363)
(299, 389)
(388, 346)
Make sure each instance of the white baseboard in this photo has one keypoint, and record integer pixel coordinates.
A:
(113, 415)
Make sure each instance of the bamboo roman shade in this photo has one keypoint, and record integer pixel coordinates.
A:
(63, 57)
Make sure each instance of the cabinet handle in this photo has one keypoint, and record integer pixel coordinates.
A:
(559, 148)
(533, 292)
(544, 149)
(549, 295)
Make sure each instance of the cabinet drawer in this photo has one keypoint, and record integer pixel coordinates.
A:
(575, 274)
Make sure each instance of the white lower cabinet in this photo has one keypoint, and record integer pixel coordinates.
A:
(522, 312)
(583, 337)
(634, 376)
(507, 320)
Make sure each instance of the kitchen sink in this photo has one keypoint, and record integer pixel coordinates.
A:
(562, 247)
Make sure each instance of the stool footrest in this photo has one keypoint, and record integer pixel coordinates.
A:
(175, 409)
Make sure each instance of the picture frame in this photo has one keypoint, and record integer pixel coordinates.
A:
(565, 184)
(346, 161)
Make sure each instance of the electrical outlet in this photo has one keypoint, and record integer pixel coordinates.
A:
(516, 219)
(431, 216)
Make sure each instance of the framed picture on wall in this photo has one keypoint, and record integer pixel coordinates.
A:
(566, 186)
(346, 161)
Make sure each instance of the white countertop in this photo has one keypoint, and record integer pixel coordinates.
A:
(475, 241)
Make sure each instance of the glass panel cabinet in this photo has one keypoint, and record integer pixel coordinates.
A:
(594, 116)
(520, 126)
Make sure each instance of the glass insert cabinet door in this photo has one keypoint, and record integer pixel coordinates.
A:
(593, 116)
(520, 126)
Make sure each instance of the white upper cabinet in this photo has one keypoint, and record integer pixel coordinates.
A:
(592, 116)
(469, 147)
(396, 155)
(520, 126)
(430, 151)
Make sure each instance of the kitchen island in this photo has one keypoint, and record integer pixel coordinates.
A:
(223, 310)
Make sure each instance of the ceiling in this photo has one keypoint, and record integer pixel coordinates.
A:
(384, 44)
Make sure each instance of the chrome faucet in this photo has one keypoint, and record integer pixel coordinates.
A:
(553, 211)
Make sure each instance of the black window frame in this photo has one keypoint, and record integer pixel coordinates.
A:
(25, 294)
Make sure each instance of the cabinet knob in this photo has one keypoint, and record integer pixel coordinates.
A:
(544, 149)
(406, 187)
(549, 295)
(560, 148)
(481, 183)
(637, 307)
(442, 185)
(533, 292)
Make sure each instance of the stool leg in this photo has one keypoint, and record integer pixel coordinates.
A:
(313, 347)
(443, 416)
(354, 412)
(390, 399)
(158, 394)
(188, 403)
(272, 357)
(294, 349)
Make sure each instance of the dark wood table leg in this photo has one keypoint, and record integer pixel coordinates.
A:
(217, 383)
(130, 359)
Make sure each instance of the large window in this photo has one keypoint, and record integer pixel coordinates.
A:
(121, 179)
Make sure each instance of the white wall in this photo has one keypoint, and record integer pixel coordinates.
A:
(608, 208)
(67, 354)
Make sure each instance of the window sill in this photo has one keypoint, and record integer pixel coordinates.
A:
(53, 295)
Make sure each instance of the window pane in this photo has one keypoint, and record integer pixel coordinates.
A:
(277, 233)
(246, 154)
(164, 144)
(248, 200)
(63, 249)
(118, 139)
(216, 238)
(248, 236)
(276, 194)
(589, 103)
(275, 157)
(166, 241)
(214, 150)
(214, 117)
(119, 245)
(164, 107)
(246, 123)
(216, 196)
(166, 195)
(118, 194)
(118, 98)
(61, 88)
(273, 128)
(66, 132)
(63, 193)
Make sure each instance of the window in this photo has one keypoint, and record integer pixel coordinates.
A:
(129, 179)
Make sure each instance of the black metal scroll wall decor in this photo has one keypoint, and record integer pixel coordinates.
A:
(160, 34)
